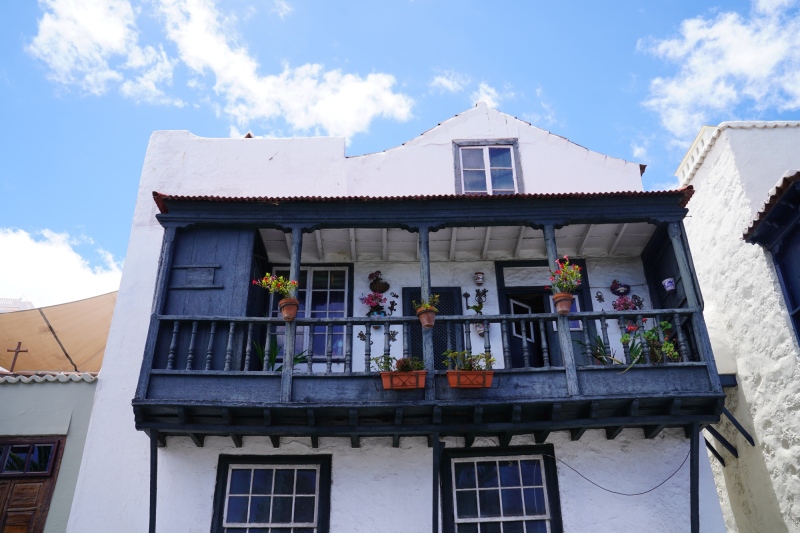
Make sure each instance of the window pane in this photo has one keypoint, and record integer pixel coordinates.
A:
(514, 527)
(259, 509)
(500, 157)
(240, 481)
(509, 473)
(237, 510)
(534, 501)
(319, 345)
(490, 527)
(472, 158)
(465, 475)
(489, 502)
(304, 509)
(17, 457)
(336, 301)
(502, 180)
(41, 458)
(281, 509)
(338, 278)
(467, 528)
(487, 474)
(306, 482)
(536, 526)
(474, 181)
(466, 504)
(319, 301)
(512, 502)
(320, 279)
(262, 481)
(284, 481)
(531, 472)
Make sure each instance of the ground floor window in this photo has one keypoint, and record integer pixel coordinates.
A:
(511, 490)
(287, 494)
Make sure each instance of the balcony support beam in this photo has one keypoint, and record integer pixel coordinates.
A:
(564, 337)
(425, 294)
(153, 478)
(694, 477)
(680, 246)
(291, 328)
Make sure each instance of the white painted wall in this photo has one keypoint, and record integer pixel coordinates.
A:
(181, 163)
(749, 326)
(51, 408)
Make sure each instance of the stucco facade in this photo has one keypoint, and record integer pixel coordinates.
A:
(375, 487)
(733, 167)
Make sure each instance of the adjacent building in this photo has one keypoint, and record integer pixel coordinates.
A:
(744, 217)
(202, 425)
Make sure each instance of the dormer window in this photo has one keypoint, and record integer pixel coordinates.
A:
(487, 168)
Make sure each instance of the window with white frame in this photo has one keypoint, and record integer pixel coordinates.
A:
(494, 492)
(488, 169)
(273, 495)
(323, 293)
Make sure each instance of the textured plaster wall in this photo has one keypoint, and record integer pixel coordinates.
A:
(51, 408)
(380, 488)
(750, 331)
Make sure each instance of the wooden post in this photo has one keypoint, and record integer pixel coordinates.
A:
(425, 294)
(153, 478)
(564, 337)
(694, 478)
(291, 327)
(675, 230)
(437, 459)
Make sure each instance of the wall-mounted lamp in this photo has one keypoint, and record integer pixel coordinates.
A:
(669, 284)
(479, 279)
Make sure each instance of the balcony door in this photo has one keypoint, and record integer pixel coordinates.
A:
(444, 336)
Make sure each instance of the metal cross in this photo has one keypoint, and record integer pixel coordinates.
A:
(16, 351)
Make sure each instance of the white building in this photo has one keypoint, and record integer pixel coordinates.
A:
(744, 219)
(236, 446)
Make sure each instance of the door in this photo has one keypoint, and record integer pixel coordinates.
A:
(445, 336)
(518, 340)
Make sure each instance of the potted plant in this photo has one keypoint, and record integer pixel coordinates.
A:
(480, 298)
(471, 371)
(285, 287)
(377, 283)
(566, 279)
(374, 301)
(660, 351)
(426, 310)
(407, 374)
(619, 289)
(624, 303)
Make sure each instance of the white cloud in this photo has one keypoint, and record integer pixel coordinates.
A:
(47, 270)
(639, 151)
(487, 93)
(544, 114)
(307, 97)
(93, 44)
(449, 81)
(726, 62)
(282, 8)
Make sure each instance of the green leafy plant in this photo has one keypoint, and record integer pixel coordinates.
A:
(269, 358)
(635, 338)
(278, 284)
(384, 363)
(566, 277)
(597, 349)
(465, 360)
(429, 305)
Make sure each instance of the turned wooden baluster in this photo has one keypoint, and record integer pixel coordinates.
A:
(210, 352)
(681, 338)
(348, 348)
(545, 349)
(173, 345)
(329, 349)
(249, 348)
(504, 339)
(229, 347)
(526, 354)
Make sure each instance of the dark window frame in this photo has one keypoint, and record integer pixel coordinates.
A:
(512, 143)
(226, 461)
(55, 457)
(547, 453)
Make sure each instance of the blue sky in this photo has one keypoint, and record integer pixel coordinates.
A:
(83, 83)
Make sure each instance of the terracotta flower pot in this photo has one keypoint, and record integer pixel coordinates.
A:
(426, 317)
(288, 308)
(470, 379)
(378, 286)
(404, 380)
(563, 302)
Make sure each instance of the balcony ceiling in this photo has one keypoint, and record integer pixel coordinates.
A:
(461, 244)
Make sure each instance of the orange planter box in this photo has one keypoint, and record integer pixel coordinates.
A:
(404, 380)
(470, 379)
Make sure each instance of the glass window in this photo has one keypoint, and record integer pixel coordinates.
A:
(20, 458)
(500, 494)
(488, 170)
(324, 297)
(272, 498)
